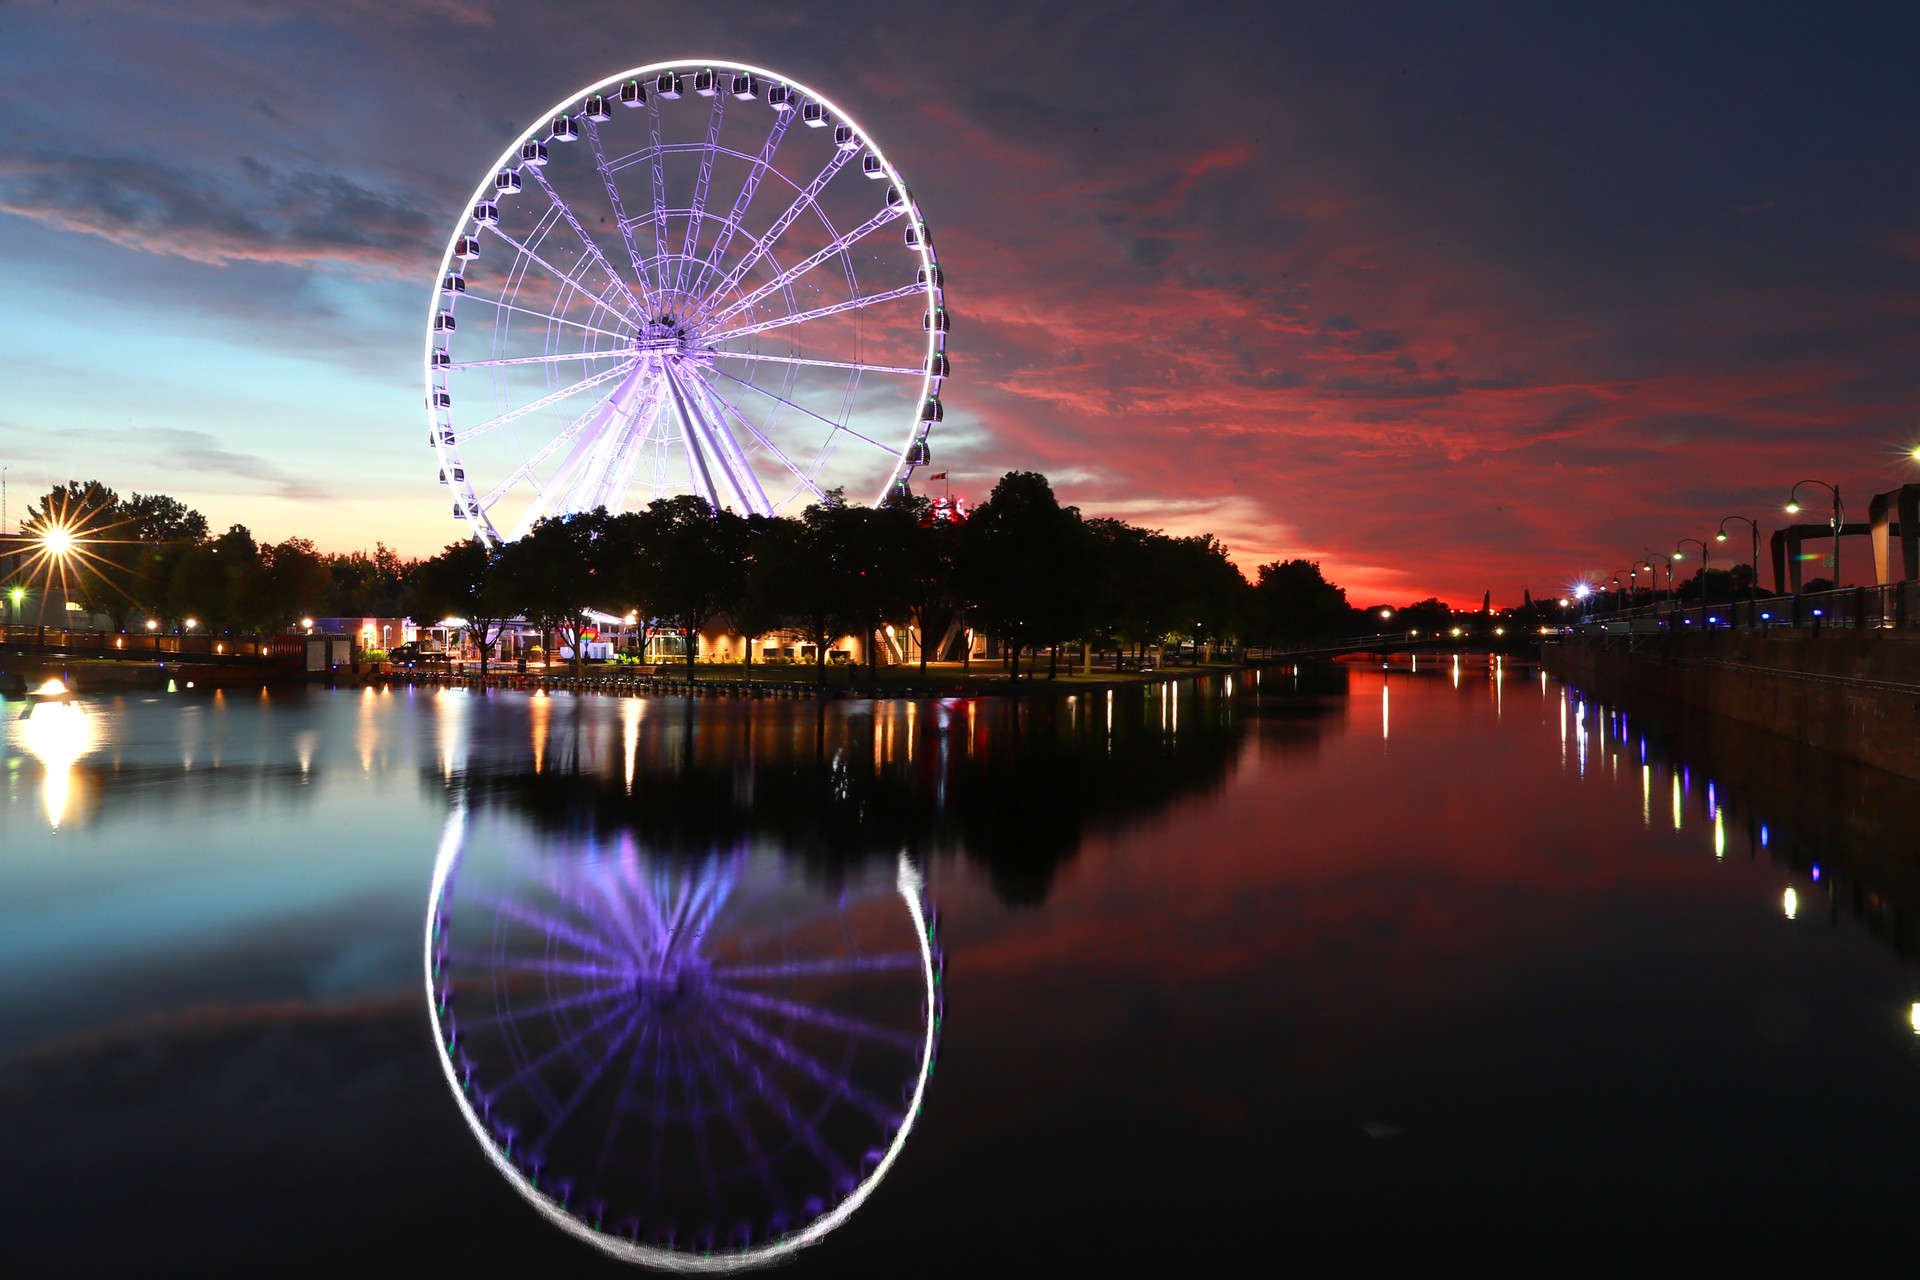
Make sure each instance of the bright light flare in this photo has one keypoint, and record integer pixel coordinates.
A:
(58, 540)
(57, 735)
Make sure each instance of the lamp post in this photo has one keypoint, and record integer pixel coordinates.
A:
(1706, 558)
(1754, 527)
(1839, 517)
(1651, 556)
(1632, 574)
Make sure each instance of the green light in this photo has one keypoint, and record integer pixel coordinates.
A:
(17, 595)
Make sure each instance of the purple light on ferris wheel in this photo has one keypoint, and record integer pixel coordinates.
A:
(696, 1065)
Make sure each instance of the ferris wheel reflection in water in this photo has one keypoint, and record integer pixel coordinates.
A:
(694, 1065)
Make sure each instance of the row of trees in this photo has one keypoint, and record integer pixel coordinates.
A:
(1023, 568)
(150, 554)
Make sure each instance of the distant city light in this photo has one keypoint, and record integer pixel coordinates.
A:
(1582, 591)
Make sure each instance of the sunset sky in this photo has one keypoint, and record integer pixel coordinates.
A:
(1449, 297)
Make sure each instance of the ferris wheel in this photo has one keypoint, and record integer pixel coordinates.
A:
(696, 1065)
(691, 277)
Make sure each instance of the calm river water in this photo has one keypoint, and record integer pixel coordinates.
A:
(1329, 967)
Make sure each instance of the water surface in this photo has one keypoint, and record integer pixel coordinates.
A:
(1335, 965)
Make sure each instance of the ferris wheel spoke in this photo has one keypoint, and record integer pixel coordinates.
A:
(711, 447)
(837, 426)
(735, 1112)
(618, 477)
(545, 315)
(817, 968)
(735, 219)
(700, 188)
(494, 229)
(587, 241)
(777, 1101)
(786, 278)
(659, 194)
(822, 364)
(550, 926)
(564, 488)
(574, 1039)
(690, 1087)
(552, 968)
(806, 481)
(738, 470)
(806, 1064)
(588, 1078)
(619, 214)
(818, 313)
(612, 353)
(525, 471)
(801, 203)
(802, 1012)
(593, 995)
(623, 1102)
(551, 398)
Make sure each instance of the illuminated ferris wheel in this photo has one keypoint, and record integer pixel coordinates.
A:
(693, 1064)
(691, 277)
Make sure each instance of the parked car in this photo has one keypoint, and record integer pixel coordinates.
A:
(415, 654)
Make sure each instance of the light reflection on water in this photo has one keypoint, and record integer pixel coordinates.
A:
(1186, 925)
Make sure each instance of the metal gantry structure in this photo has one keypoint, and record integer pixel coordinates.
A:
(665, 286)
(693, 1063)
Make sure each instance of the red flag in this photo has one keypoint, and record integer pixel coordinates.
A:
(939, 475)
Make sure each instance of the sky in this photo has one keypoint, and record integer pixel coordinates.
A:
(1450, 298)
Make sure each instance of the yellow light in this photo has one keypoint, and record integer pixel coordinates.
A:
(192, 623)
(307, 623)
(1720, 536)
(57, 541)
(152, 625)
(58, 735)
(1914, 1016)
(1793, 508)
(1677, 556)
(1790, 904)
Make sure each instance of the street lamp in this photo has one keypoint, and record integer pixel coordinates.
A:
(1632, 575)
(1651, 556)
(1753, 526)
(1839, 517)
(1706, 558)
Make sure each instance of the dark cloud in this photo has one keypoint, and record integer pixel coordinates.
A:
(305, 218)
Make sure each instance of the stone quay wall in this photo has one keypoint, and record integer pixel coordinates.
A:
(1853, 693)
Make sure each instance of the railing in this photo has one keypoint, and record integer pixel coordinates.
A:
(1850, 608)
(147, 644)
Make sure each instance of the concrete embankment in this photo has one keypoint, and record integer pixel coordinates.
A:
(1853, 693)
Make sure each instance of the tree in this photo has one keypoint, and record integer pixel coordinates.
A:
(1294, 603)
(459, 583)
(549, 575)
(758, 609)
(1024, 565)
(691, 562)
(808, 570)
(284, 582)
